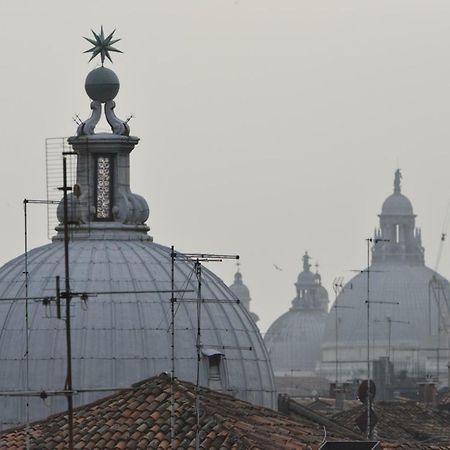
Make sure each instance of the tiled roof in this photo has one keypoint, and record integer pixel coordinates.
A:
(140, 419)
(415, 423)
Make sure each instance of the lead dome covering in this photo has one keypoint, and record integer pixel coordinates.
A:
(293, 340)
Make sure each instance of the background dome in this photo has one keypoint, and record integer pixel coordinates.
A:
(293, 340)
(398, 274)
(118, 340)
(306, 278)
(397, 204)
(404, 284)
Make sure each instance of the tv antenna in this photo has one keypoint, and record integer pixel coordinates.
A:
(369, 241)
(197, 259)
(338, 287)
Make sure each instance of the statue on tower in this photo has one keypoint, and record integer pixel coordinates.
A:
(306, 264)
(397, 181)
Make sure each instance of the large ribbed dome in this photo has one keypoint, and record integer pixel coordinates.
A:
(293, 340)
(397, 274)
(118, 339)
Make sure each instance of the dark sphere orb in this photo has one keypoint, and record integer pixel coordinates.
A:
(102, 84)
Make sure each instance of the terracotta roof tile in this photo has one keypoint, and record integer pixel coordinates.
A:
(140, 419)
(411, 425)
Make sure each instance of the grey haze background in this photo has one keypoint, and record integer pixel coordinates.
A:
(267, 127)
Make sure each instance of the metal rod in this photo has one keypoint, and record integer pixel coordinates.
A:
(201, 256)
(43, 393)
(336, 287)
(368, 301)
(172, 324)
(58, 298)
(198, 272)
(368, 340)
(95, 294)
(27, 334)
(68, 298)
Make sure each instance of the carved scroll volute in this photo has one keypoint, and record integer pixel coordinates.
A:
(88, 126)
(117, 126)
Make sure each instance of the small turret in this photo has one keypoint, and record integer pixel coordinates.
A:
(241, 291)
(399, 239)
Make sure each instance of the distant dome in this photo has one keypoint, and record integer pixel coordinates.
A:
(293, 340)
(398, 274)
(306, 278)
(397, 204)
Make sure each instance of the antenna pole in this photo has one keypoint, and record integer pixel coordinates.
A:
(337, 335)
(368, 340)
(67, 295)
(27, 337)
(337, 286)
(389, 320)
(198, 272)
(172, 324)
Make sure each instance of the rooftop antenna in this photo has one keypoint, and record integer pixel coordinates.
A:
(437, 290)
(369, 241)
(197, 259)
(26, 202)
(67, 295)
(68, 390)
(337, 288)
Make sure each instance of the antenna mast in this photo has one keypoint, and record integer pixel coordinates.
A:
(67, 296)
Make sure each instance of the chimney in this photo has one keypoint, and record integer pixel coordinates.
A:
(333, 387)
(283, 404)
(427, 393)
(340, 397)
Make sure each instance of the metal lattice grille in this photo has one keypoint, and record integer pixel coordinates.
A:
(54, 148)
(103, 197)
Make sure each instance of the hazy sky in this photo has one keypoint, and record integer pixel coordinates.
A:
(267, 127)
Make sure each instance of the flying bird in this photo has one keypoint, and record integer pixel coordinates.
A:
(277, 268)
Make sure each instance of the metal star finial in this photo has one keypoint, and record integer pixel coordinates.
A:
(102, 45)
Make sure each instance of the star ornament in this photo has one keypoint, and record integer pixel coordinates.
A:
(102, 46)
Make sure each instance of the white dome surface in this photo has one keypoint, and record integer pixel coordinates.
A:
(397, 203)
(120, 339)
(293, 340)
(407, 285)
